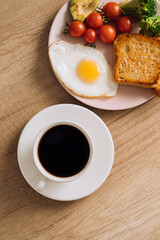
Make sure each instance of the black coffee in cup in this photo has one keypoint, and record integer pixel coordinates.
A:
(63, 150)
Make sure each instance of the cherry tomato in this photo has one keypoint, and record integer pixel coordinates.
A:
(94, 20)
(107, 34)
(90, 35)
(124, 24)
(112, 10)
(76, 29)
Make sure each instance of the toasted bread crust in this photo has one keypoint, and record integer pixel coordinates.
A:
(156, 90)
(137, 61)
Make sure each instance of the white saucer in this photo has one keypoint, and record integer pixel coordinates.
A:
(99, 168)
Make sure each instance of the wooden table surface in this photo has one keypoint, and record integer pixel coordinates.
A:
(127, 205)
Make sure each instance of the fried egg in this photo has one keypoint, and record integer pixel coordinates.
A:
(82, 69)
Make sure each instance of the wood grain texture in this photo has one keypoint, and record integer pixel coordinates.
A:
(127, 205)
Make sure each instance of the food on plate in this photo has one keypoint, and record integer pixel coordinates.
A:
(112, 10)
(85, 71)
(109, 12)
(137, 60)
(107, 34)
(90, 35)
(80, 9)
(76, 29)
(150, 26)
(81, 69)
(139, 8)
(124, 24)
(94, 20)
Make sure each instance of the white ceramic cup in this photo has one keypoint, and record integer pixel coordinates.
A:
(48, 176)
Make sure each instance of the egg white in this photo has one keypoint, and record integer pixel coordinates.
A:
(65, 57)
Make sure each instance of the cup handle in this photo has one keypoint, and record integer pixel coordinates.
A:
(41, 184)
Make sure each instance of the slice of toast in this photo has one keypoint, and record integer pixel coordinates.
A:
(137, 61)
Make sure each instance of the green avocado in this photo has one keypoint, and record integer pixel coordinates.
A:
(80, 9)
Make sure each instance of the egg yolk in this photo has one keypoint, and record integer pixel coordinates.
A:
(88, 71)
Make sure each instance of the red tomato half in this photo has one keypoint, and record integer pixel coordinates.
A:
(124, 24)
(76, 29)
(107, 34)
(94, 20)
(112, 10)
(90, 35)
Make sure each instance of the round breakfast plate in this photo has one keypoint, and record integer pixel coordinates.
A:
(127, 96)
(99, 168)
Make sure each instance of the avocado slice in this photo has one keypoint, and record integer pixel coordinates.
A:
(80, 9)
